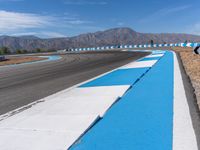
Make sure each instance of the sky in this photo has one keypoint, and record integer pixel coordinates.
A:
(64, 18)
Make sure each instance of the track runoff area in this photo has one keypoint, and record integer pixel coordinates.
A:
(140, 106)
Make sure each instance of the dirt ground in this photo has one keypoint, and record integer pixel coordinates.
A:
(18, 60)
(191, 64)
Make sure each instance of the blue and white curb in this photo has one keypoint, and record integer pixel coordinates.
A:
(153, 114)
(139, 106)
(143, 118)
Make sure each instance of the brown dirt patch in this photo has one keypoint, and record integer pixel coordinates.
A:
(19, 60)
(191, 64)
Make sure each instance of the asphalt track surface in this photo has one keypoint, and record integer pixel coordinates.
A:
(23, 84)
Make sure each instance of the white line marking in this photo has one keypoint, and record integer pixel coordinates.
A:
(139, 64)
(183, 132)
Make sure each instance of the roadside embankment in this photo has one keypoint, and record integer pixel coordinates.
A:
(12, 60)
(191, 63)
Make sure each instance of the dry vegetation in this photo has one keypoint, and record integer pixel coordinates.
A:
(19, 60)
(191, 63)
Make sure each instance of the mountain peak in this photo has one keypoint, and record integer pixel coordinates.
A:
(121, 30)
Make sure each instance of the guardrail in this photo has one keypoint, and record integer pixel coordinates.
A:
(137, 46)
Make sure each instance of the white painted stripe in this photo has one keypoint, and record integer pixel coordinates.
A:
(140, 64)
(152, 56)
(97, 91)
(77, 106)
(59, 120)
(183, 133)
(43, 132)
(19, 140)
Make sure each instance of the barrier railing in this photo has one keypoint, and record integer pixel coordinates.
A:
(137, 46)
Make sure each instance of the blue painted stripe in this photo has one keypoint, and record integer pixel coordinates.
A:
(118, 77)
(142, 119)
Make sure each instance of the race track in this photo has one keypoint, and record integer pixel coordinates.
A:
(23, 84)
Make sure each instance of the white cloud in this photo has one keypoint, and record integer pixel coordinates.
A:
(167, 11)
(120, 23)
(77, 22)
(51, 34)
(84, 2)
(42, 34)
(194, 29)
(23, 33)
(14, 21)
(164, 12)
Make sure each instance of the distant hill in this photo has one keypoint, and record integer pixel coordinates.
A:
(114, 36)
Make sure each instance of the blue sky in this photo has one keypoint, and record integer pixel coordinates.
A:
(58, 18)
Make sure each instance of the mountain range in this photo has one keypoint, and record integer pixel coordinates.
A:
(110, 37)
